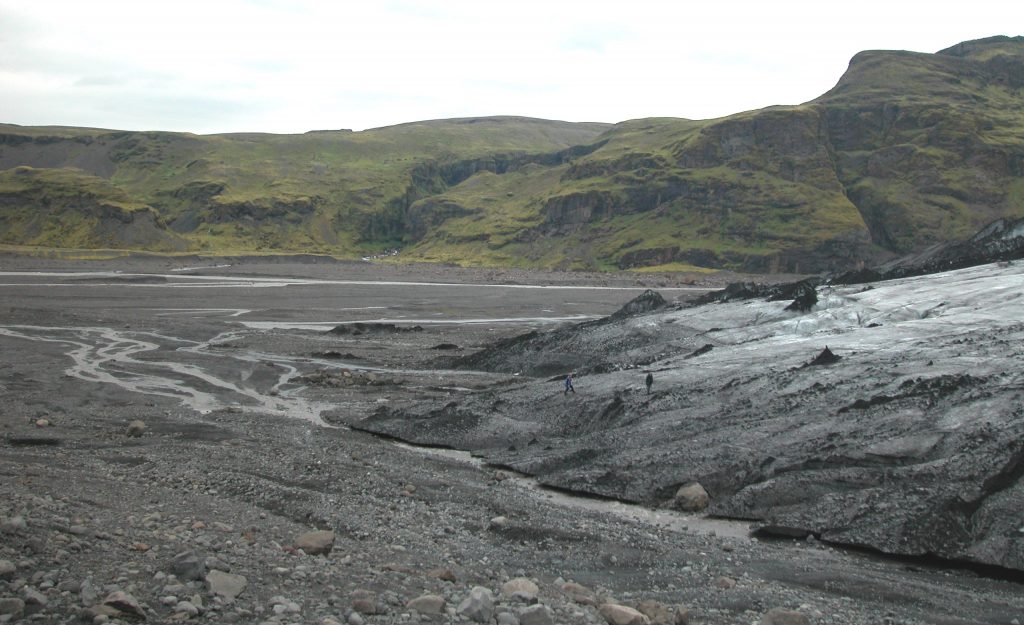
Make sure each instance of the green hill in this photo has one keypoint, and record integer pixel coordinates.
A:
(908, 149)
(334, 192)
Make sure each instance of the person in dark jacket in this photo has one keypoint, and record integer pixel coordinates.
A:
(649, 380)
(568, 385)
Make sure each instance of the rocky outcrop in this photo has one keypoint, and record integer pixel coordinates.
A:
(791, 144)
(1000, 241)
(636, 161)
(907, 163)
(721, 173)
(737, 291)
(414, 214)
(622, 339)
(880, 176)
(570, 212)
(263, 210)
(854, 250)
(429, 213)
(66, 208)
(86, 153)
(646, 302)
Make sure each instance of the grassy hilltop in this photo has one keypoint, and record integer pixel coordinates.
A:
(907, 150)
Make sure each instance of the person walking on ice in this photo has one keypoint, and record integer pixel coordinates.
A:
(649, 380)
(568, 385)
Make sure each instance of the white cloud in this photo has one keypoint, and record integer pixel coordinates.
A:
(233, 65)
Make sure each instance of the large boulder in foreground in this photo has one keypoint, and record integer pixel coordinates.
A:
(320, 542)
(615, 614)
(225, 585)
(691, 497)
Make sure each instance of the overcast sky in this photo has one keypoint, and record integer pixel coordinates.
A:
(291, 66)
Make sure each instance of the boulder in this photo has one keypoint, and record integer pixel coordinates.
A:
(135, 429)
(316, 543)
(12, 607)
(478, 605)
(187, 608)
(125, 603)
(506, 618)
(215, 563)
(88, 593)
(282, 606)
(187, 566)
(100, 610)
(365, 602)
(691, 497)
(35, 601)
(657, 612)
(579, 593)
(225, 585)
(616, 614)
(432, 605)
(778, 616)
(520, 588)
(537, 614)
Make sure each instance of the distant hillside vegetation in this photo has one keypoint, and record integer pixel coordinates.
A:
(907, 150)
(333, 192)
(66, 208)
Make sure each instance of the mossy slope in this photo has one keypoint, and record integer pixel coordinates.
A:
(65, 208)
(908, 149)
(335, 192)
